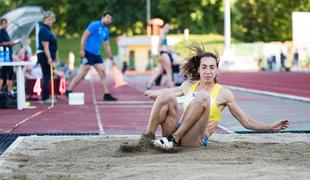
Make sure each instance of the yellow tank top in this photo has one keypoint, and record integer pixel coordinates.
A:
(215, 111)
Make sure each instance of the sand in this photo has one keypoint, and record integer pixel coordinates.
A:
(232, 156)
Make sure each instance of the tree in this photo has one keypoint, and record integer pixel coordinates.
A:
(252, 20)
(265, 20)
(200, 16)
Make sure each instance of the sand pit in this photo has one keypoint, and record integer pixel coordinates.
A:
(234, 156)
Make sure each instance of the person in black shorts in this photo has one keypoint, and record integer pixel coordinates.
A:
(165, 59)
(96, 35)
(7, 72)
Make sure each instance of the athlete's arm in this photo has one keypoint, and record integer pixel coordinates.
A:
(177, 91)
(85, 35)
(247, 121)
(47, 51)
(7, 43)
(161, 38)
(153, 94)
(107, 49)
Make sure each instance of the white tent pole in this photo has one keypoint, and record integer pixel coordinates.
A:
(227, 24)
(148, 10)
(37, 36)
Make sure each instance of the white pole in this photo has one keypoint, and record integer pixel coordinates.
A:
(148, 18)
(37, 35)
(227, 24)
(148, 10)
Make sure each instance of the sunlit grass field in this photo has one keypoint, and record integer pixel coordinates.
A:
(212, 42)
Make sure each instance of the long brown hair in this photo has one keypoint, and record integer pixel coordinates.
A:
(190, 68)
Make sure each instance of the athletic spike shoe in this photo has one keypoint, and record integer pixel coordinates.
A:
(166, 143)
(67, 93)
(48, 101)
(109, 97)
(148, 87)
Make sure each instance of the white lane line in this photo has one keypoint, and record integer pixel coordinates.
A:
(123, 136)
(125, 102)
(226, 129)
(25, 120)
(286, 96)
(126, 106)
(98, 117)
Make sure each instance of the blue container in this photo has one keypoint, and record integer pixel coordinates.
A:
(1, 54)
(7, 57)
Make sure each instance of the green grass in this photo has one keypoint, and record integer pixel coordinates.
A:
(67, 45)
(215, 43)
(211, 42)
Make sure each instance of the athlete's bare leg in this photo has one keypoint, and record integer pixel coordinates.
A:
(77, 79)
(165, 113)
(194, 121)
(103, 77)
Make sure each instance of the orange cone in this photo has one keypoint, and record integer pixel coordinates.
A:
(118, 77)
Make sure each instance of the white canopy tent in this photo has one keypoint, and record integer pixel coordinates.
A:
(22, 21)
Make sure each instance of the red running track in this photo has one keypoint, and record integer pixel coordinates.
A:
(129, 118)
(297, 84)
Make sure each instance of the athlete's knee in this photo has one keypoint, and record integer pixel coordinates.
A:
(202, 98)
(166, 97)
(84, 71)
(82, 75)
(103, 74)
(161, 59)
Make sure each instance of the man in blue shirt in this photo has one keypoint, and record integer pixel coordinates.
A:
(96, 35)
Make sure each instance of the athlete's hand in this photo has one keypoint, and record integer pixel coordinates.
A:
(280, 125)
(11, 43)
(150, 94)
(49, 60)
(82, 53)
(112, 60)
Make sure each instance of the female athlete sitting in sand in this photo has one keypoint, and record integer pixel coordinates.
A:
(204, 102)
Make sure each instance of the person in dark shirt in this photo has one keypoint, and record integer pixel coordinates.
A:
(47, 52)
(7, 71)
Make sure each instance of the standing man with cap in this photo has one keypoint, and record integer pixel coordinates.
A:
(96, 35)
